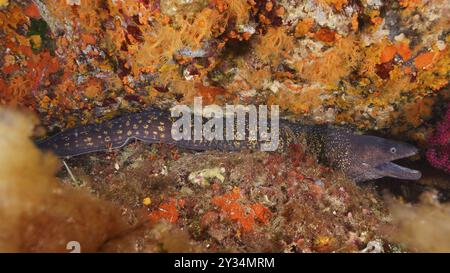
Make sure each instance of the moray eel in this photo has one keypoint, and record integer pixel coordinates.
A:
(361, 157)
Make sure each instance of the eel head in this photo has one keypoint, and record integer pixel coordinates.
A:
(371, 158)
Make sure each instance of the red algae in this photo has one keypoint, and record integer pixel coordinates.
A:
(438, 153)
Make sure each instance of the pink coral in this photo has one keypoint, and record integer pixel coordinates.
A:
(438, 153)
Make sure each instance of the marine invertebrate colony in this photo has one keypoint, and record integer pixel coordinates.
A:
(438, 153)
(358, 62)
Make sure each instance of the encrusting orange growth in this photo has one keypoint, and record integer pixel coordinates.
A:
(417, 111)
(404, 51)
(325, 35)
(93, 88)
(26, 65)
(389, 52)
(425, 60)
(209, 93)
(261, 212)
(338, 4)
(303, 27)
(32, 11)
(167, 211)
(88, 38)
(411, 3)
(243, 215)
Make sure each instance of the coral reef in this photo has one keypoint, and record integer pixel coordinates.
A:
(438, 153)
(373, 65)
(238, 202)
(156, 203)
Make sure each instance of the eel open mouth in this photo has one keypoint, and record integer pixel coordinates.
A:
(396, 171)
(391, 169)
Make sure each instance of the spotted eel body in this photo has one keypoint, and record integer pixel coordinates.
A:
(151, 126)
(359, 156)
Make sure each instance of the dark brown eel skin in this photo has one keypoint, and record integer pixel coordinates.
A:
(360, 157)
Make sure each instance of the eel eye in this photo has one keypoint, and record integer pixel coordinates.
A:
(393, 150)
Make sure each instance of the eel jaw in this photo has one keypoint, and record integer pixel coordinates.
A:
(396, 171)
